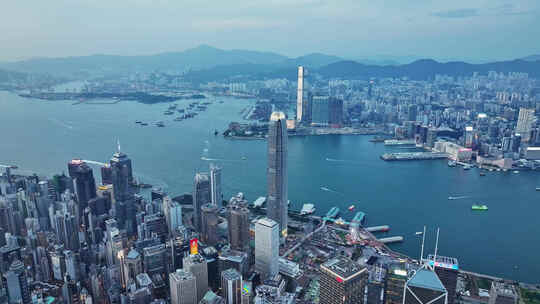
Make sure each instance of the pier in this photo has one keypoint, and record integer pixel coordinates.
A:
(383, 228)
(392, 239)
(414, 156)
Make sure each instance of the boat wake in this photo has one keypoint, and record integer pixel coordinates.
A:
(60, 123)
(218, 159)
(335, 160)
(330, 190)
(457, 197)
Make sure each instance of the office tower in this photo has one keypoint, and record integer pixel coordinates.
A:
(431, 137)
(375, 288)
(425, 287)
(215, 185)
(301, 94)
(131, 266)
(320, 111)
(211, 298)
(121, 175)
(212, 262)
(231, 286)
(17, 284)
(525, 123)
(502, 293)
(201, 196)
(447, 270)
(72, 264)
(335, 112)
(238, 260)
(196, 264)
(67, 230)
(173, 214)
(396, 278)
(83, 180)
(156, 226)
(342, 281)
(183, 287)
(412, 112)
(277, 171)
(469, 136)
(266, 247)
(515, 142)
(209, 224)
(155, 259)
(238, 228)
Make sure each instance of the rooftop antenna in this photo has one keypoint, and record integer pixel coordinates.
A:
(423, 239)
(118, 145)
(436, 247)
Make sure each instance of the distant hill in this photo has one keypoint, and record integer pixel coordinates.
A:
(10, 75)
(531, 58)
(201, 57)
(425, 69)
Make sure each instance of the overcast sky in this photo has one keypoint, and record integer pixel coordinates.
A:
(456, 29)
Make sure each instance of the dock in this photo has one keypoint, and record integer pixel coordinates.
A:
(399, 142)
(392, 239)
(383, 228)
(414, 156)
(332, 213)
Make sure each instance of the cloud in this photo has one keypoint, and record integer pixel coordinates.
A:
(457, 13)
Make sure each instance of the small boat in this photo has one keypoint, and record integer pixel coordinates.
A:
(482, 174)
(244, 158)
(451, 163)
(138, 121)
(351, 207)
(419, 233)
(216, 132)
(451, 198)
(466, 167)
(516, 171)
(168, 112)
(537, 188)
(144, 124)
(160, 124)
(178, 118)
(478, 207)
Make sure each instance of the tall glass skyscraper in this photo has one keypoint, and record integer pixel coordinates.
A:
(215, 185)
(277, 171)
(201, 196)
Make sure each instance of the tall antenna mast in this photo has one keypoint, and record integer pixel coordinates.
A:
(423, 239)
(118, 145)
(436, 247)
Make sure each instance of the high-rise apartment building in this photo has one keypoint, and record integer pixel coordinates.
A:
(525, 123)
(277, 171)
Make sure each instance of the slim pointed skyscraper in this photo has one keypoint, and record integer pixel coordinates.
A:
(277, 171)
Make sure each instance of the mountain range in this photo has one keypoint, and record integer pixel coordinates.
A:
(206, 63)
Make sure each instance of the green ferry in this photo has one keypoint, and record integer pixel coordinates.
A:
(479, 207)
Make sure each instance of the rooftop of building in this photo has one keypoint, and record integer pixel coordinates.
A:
(444, 262)
(503, 289)
(427, 279)
(231, 274)
(182, 275)
(267, 222)
(143, 279)
(343, 268)
(276, 116)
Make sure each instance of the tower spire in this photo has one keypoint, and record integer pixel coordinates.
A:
(118, 145)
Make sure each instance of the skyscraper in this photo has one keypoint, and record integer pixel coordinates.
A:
(121, 175)
(201, 196)
(277, 171)
(17, 284)
(525, 123)
(215, 185)
(447, 270)
(209, 223)
(425, 287)
(197, 265)
(173, 214)
(320, 112)
(231, 286)
(342, 281)
(238, 218)
(183, 286)
(395, 284)
(501, 293)
(300, 97)
(83, 180)
(267, 247)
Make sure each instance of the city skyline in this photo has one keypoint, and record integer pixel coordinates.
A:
(485, 30)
